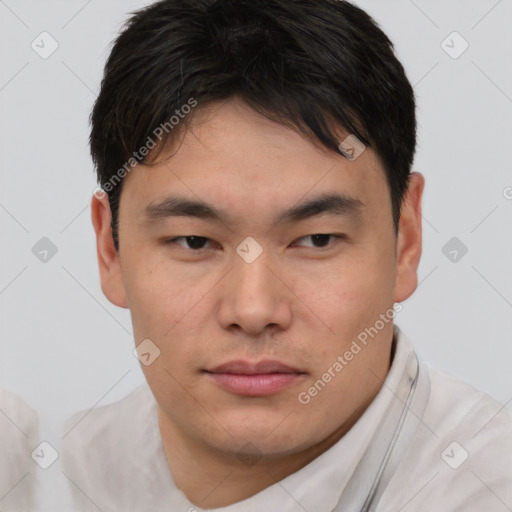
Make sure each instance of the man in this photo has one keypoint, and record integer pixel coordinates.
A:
(262, 224)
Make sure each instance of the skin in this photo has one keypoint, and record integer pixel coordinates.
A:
(298, 302)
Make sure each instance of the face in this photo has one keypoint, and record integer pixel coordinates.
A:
(255, 296)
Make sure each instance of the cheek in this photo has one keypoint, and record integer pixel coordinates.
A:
(173, 313)
(350, 287)
(156, 301)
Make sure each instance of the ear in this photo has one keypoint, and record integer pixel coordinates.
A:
(112, 283)
(409, 239)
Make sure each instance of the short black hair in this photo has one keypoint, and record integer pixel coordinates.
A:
(312, 65)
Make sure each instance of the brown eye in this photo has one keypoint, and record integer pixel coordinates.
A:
(194, 243)
(319, 240)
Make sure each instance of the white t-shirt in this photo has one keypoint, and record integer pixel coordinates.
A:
(18, 472)
(450, 450)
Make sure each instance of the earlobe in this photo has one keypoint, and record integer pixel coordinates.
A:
(112, 283)
(409, 242)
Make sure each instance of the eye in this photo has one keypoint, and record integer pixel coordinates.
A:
(318, 240)
(194, 243)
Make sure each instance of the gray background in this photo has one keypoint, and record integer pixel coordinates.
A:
(64, 347)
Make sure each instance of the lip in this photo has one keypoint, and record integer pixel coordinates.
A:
(242, 367)
(260, 378)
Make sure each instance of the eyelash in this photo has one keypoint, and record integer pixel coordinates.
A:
(174, 240)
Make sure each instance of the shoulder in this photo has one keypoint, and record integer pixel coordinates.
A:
(461, 456)
(95, 438)
(114, 459)
(110, 453)
(456, 406)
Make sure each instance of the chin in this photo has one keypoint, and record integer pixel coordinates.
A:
(267, 434)
(254, 448)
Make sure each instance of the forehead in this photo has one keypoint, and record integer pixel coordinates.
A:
(237, 159)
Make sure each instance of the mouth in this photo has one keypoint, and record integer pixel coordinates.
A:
(262, 378)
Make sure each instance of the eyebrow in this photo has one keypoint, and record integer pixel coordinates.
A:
(176, 206)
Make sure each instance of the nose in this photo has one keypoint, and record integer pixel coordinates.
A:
(254, 297)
